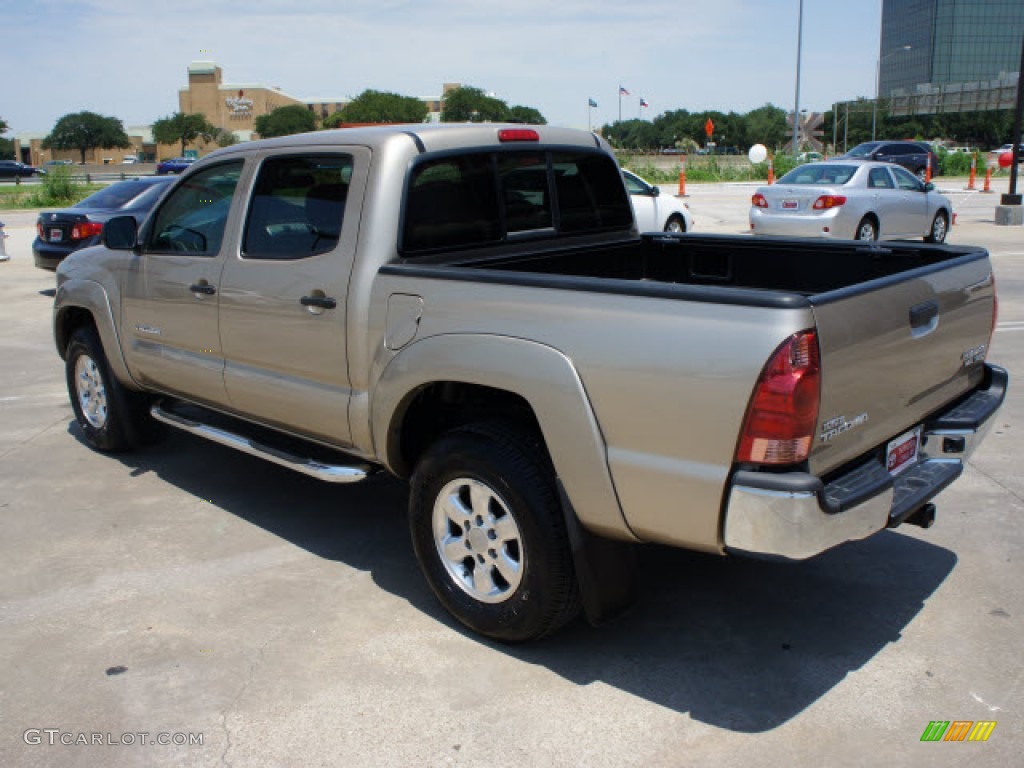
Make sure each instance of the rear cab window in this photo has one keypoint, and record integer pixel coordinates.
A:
(486, 198)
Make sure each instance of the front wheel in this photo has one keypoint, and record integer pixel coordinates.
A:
(866, 230)
(489, 533)
(112, 418)
(675, 224)
(939, 229)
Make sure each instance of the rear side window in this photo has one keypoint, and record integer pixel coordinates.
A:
(298, 206)
(482, 199)
(879, 178)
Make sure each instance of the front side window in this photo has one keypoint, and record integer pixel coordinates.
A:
(906, 180)
(193, 218)
(298, 206)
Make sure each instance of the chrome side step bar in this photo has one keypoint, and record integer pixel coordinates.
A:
(331, 473)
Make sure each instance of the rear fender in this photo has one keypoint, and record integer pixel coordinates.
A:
(543, 377)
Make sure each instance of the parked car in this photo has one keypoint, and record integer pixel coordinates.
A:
(174, 165)
(810, 157)
(58, 233)
(654, 211)
(912, 155)
(851, 200)
(10, 169)
(129, 160)
(59, 162)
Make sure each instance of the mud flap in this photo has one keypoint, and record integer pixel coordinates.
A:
(605, 569)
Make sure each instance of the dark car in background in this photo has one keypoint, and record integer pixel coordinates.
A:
(59, 233)
(912, 155)
(10, 169)
(174, 165)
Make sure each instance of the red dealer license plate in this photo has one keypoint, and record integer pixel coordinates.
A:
(56, 235)
(790, 205)
(902, 452)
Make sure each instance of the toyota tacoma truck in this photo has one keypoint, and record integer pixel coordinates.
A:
(472, 308)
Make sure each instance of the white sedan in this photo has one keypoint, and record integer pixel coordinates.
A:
(851, 200)
(656, 212)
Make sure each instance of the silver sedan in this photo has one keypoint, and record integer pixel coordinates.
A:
(852, 201)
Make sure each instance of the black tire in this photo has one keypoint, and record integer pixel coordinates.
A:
(867, 229)
(112, 418)
(939, 229)
(512, 526)
(675, 223)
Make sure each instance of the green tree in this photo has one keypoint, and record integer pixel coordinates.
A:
(520, 114)
(87, 130)
(767, 125)
(471, 105)
(6, 145)
(182, 128)
(224, 137)
(285, 121)
(379, 107)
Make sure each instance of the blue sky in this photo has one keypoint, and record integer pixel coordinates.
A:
(128, 58)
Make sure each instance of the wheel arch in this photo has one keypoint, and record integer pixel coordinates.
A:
(445, 381)
(81, 303)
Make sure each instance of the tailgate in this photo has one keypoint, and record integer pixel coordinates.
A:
(896, 349)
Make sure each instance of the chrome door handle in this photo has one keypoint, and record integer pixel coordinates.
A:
(324, 302)
(203, 288)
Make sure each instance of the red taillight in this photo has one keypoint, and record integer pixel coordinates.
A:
(759, 201)
(85, 229)
(518, 134)
(828, 201)
(39, 229)
(783, 410)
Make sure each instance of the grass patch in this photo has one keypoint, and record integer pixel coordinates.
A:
(58, 190)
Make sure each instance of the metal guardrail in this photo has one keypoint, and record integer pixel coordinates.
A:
(87, 178)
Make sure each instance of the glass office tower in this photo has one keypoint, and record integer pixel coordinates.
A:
(951, 42)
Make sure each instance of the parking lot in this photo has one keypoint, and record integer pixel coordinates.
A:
(194, 594)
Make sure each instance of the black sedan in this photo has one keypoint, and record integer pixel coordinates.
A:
(10, 169)
(58, 233)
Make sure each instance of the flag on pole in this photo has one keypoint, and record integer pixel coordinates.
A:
(623, 91)
(591, 103)
(643, 102)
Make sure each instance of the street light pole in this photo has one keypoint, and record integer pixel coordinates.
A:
(796, 105)
(878, 84)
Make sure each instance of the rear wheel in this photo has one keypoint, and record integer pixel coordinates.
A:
(867, 229)
(675, 223)
(939, 230)
(112, 418)
(490, 535)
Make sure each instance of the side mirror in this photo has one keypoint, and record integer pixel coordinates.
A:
(655, 191)
(929, 187)
(121, 233)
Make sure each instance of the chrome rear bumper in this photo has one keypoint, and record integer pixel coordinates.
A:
(795, 515)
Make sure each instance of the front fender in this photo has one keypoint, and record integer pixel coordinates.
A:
(75, 295)
(542, 376)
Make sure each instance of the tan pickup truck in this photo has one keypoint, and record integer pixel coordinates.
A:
(471, 307)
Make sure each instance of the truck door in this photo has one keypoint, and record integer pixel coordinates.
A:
(283, 293)
(171, 290)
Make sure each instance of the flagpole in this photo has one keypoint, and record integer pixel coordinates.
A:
(620, 103)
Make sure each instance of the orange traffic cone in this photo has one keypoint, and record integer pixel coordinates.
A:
(682, 176)
(771, 171)
(988, 180)
(970, 181)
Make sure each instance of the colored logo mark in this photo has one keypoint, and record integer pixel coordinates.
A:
(958, 730)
